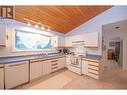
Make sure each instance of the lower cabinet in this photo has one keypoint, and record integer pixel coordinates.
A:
(35, 70)
(16, 74)
(57, 63)
(40, 67)
(68, 61)
(92, 68)
(1, 77)
(46, 68)
(84, 67)
(61, 62)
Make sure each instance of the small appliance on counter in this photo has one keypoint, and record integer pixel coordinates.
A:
(64, 51)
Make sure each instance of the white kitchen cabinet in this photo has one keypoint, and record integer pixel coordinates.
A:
(57, 63)
(16, 74)
(1, 76)
(68, 41)
(61, 62)
(55, 41)
(91, 40)
(35, 70)
(46, 67)
(68, 60)
(61, 41)
(92, 68)
(2, 35)
(84, 67)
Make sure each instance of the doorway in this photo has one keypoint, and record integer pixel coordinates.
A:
(114, 43)
(115, 51)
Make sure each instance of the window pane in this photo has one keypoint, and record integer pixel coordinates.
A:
(31, 41)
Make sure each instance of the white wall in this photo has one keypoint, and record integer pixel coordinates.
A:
(113, 14)
(7, 51)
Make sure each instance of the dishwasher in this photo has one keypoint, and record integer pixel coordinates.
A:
(16, 74)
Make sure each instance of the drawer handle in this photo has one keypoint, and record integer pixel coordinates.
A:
(93, 73)
(92, 65)
(54, 64)
(54, 67)
(92, 69)
(54, 61)
(16, 64)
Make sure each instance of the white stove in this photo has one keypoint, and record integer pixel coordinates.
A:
(75, 64)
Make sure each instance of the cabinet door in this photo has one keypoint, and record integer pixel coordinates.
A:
(91, 40)
(61, 62)
(61, 41)
(68, 41)
(55, 41)
(68, 60)
(84, 67)
(2, 35)
(16, 74)
(35, 70)
(1, 78)
(46, 67)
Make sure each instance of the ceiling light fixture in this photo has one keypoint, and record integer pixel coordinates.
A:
(37, 24)
(28, 24)
(48, 29)
(42, 27)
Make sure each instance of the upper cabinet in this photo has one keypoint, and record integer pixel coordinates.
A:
(91, 40)
(61, 41)
(58, 41)
(2, 35)
(55, 41)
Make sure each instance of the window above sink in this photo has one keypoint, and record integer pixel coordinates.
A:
(30, 41)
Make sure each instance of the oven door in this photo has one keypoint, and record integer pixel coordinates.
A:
(75, 61)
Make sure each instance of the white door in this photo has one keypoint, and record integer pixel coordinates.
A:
(1, 77)
(46, 67)
(35, 70)
(16, 74)
(84, 67)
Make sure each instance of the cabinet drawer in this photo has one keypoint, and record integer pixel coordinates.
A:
(54, 64)
(93, 67)
(93, 75)
(93, 63)
(52, 61)
(93, 71)
(54, 68)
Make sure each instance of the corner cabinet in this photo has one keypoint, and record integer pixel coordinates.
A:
(2, 35)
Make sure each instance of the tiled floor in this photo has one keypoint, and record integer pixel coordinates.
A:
(113, 78)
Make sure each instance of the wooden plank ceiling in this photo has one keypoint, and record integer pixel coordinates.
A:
(60, 18)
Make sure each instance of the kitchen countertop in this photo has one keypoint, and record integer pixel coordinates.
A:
(5, 60)
(90, 56)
